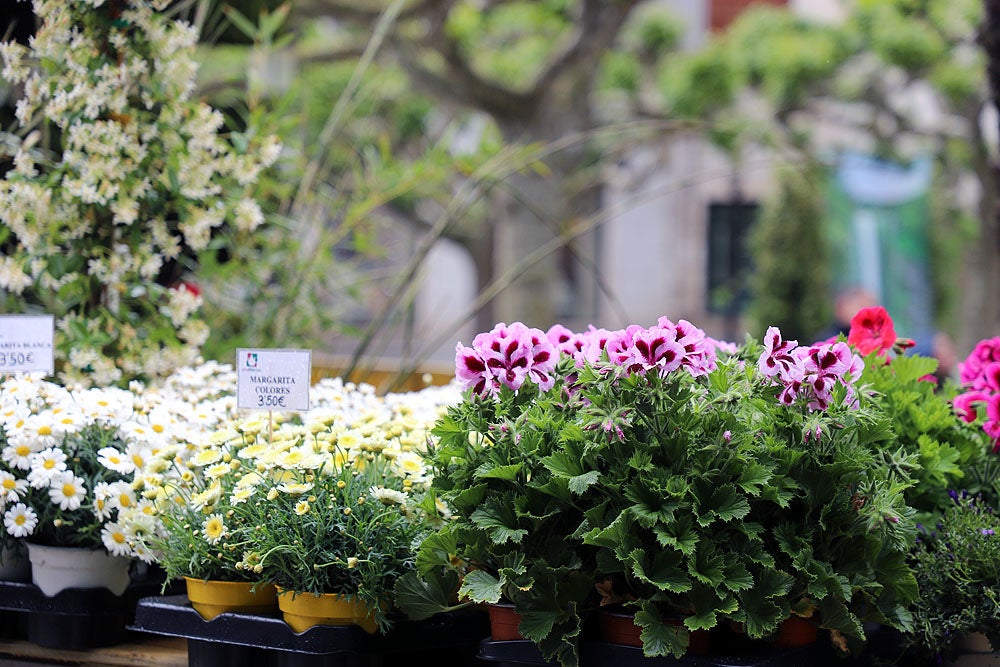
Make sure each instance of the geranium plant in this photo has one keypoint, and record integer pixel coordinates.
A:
(101, 227)
(695, 482)
(949, 452)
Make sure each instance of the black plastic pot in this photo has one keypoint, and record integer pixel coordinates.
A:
(241, 639)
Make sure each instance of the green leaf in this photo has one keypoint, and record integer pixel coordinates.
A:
(507, 472)
(581, 483)
(679, 534)
(707, 567)
(422, 597)
(727, 503)
(665, 571)
(737, 577)
(563, 464)
(833, 615)
(659, 638)
(480, 586)
(754, 476)
(500, 521)
(469, 499)
(557, 487)
(436, 551)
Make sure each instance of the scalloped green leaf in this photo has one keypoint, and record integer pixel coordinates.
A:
(480, 586)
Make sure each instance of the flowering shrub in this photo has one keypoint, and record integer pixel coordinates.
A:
(693, 479)
(141, 178)
(957, 564)
(947, 450)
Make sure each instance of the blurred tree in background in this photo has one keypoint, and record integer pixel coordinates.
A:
(898, 79)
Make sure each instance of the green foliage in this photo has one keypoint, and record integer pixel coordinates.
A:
(122, 180)
(901, 38)
(510, 42)
(957, 565)
(786, 56)
(697, 85)
(790, 258)
(949, 452)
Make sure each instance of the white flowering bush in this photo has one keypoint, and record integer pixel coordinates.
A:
(330, 501)
(99, 227)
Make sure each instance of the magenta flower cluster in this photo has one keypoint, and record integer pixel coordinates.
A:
(510, 355)
(810, 373)
(980, 375)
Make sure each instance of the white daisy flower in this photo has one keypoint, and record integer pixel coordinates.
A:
(45, 466)
(103, 508)
(217, 470)
(67, 491)
(214, 528)
(17, 453)
(115, 540)
(122, 496)
(20, 520)
(112, 459)
(11, 488)
(387, 496)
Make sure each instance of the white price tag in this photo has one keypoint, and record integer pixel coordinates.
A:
(273, 379)
(26, 343)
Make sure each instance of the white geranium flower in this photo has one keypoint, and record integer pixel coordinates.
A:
(67, 491)
(20, 520)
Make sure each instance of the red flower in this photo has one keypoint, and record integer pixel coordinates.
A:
(872, 330)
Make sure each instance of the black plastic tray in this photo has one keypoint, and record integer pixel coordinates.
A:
(592, 654)
(73, 619)
(883, 649)
(233, 639)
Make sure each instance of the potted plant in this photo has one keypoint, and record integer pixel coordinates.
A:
(957, 565)
(700, 484)
(516, 534)
(198, 531)
(67, 464)
(322, 505)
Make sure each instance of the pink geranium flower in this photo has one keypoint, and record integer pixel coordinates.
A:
(506, 356)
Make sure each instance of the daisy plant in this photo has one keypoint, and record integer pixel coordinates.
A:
(66, 465)
(329, 501)
(77, 465)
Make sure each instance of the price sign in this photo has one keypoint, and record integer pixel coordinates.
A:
(273, 379)
(26, 343)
